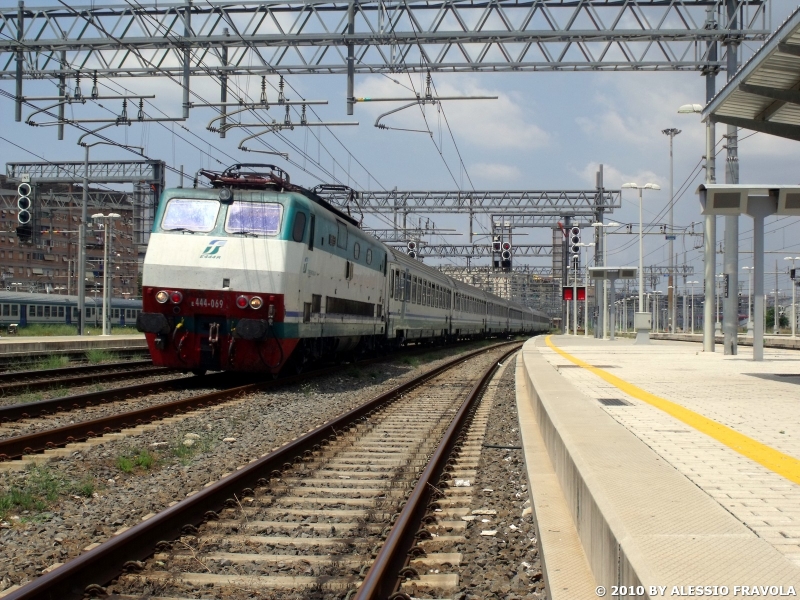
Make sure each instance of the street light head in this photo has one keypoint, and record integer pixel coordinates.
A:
(671, 131)
(652, 186)
(98, 216)
(613, 224)
(114, 215)
(631, 186)
(690, 108)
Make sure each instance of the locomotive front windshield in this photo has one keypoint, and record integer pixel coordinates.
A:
(190, 215)
(254, 218)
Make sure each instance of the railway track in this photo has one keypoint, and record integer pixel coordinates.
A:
(48, 379)
(18, 446)
(312, 517)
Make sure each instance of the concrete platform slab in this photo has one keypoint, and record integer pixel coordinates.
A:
(641, 519)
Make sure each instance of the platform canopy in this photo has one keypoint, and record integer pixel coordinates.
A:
(764, 95)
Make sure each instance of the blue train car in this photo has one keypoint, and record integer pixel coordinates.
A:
(22, 308)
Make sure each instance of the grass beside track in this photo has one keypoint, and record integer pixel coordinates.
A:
(38, 329)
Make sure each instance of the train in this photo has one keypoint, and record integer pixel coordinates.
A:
(24, 308)
(255, 273)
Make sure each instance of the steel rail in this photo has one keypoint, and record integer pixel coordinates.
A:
(15, 376)
(30, 410)
(384, 576)
(108, 560)
(30, 386)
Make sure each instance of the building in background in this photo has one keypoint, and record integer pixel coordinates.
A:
(47, 262)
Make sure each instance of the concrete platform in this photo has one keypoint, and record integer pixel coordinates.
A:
(21, 346)
(687, 475)
(785, 342)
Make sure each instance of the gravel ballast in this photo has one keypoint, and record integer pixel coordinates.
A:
(506, 564)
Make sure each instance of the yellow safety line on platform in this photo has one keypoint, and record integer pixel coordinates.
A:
(774, 460)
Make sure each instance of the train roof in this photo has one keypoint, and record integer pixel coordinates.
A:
(7, 297)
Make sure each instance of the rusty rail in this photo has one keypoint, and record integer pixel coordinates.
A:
(74, 380)
(107, 561)
(384, 577)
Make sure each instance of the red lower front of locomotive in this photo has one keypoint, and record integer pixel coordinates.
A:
(202, 330)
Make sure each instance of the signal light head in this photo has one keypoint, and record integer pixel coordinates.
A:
(506, 246)
(242, 301)
(506, 255)
(176, 297)
(24, 189)
(256, 302)
(162, 297)
(24, 203)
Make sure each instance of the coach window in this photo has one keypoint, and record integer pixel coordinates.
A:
(341, 238)
(419, 291)
(60, 311)
(356, 250)
(40, 311)
(6, 310)
(47, 312)
(299, 227)
(15, 310)
(369, 256)
(414, 289)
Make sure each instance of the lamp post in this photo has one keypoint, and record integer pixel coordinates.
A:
(794, 294)
(671, 132)
(586, 290)
(82, 227)
(692, 283)
(108, 224)
(605, 281)
(717, 324)
(709, 226)
(749, 302)
(776, 320)
(642, 322)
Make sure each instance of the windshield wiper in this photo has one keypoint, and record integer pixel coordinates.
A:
(182, 230)
(247, 233)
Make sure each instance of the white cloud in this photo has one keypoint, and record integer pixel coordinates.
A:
(613, 177)
(494, 172)
(504, 123)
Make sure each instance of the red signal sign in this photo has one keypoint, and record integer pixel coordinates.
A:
(566, 293)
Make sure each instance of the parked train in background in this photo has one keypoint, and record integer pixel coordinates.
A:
(254, 274)
(23, 308)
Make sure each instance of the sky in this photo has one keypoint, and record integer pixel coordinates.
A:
(546, 131)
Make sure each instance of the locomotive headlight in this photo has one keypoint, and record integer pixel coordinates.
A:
(256, 302)
(242, 301)
(162, 297)
(176, 297)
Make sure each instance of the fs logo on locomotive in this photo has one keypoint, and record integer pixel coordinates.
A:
(212, 250)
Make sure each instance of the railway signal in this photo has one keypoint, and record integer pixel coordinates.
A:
(575, 240)
(25, 211)
(505, 257)
(412, 249)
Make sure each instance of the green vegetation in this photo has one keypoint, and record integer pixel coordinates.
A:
(38, 329)
(184, 451)
(54, 361)
(97, 355)
(783, 320)
(134, 457)
(41, 488)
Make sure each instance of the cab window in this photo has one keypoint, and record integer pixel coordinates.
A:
(190, 215)
(254, 218)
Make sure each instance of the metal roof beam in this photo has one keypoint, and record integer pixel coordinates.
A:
(785, 130)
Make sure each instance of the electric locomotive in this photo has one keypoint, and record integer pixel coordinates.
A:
(256, 273)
